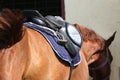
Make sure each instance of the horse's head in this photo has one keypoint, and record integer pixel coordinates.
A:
(101, 68)
(92, 43)
(98, 55)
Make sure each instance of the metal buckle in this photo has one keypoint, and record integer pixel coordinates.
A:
(61, 38)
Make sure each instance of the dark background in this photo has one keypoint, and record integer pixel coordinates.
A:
(45, 7)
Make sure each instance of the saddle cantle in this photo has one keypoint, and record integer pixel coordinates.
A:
(67, 35)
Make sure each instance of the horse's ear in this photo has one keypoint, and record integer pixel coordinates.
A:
(109, 41)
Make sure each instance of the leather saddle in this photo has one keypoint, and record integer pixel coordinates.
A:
(55, 23)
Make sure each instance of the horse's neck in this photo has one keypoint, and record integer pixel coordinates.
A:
(82, 69)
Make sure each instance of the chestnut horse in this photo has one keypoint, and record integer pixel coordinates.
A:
(26, 55)
(100, 68)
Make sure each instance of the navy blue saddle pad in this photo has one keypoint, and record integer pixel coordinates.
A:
(58, 49)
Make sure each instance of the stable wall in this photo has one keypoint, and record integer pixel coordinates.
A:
(103, 16)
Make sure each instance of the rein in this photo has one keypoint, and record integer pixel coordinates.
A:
(101, 65)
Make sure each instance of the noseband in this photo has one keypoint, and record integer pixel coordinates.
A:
(107, 60)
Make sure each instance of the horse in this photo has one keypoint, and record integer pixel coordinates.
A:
(100, 68)
(26, 55)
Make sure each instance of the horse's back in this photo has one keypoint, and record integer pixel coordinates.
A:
(43, 64)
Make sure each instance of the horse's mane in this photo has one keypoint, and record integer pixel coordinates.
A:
(90, 35)
(11, 22)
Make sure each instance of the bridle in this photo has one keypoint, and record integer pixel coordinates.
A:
(107, 60)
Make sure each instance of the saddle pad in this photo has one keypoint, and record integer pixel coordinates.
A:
(58, 49)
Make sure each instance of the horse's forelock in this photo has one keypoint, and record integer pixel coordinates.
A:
(10, 27)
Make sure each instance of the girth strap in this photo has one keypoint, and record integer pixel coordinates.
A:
(71, 69)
